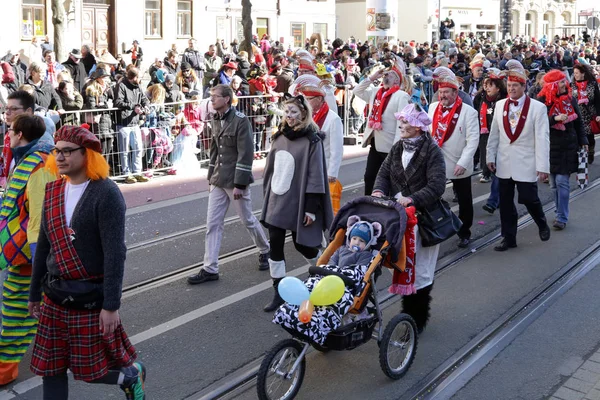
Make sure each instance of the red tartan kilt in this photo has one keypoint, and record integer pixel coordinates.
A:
(72, 339)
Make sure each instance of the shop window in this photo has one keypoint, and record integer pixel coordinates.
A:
(184, 18)
(299, 33)
(33, 18)
(262, 27)
(152, 23)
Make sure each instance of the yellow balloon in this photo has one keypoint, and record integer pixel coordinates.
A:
(329, 290)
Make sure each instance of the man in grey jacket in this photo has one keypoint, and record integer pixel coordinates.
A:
(229, 175)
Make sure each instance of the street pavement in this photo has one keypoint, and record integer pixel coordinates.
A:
(192, 336)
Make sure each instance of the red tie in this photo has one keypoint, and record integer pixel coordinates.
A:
(513, 102)
(446, 109)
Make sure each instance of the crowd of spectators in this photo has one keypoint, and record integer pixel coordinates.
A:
(151, 115)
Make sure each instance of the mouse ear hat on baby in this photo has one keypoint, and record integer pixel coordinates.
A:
(368, 231)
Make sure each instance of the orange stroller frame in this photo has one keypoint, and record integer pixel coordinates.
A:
(282, 370)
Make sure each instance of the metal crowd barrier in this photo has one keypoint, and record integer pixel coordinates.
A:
(174, 138)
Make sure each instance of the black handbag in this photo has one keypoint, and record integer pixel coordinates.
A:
(74, 294)
(437, 223)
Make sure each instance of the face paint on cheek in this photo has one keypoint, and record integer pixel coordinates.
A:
(292, 113)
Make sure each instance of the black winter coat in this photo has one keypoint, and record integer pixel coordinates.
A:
(68, 104)
(564, 145)
(77, 73)
(45, 96)
(100, 122)
(424, 179)
(127, 96)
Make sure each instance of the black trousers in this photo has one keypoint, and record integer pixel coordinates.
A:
(528, 196)
(462, 188)
(483, 139)
(277, 243)
(374, 161)
(56, 387)
(591, 142)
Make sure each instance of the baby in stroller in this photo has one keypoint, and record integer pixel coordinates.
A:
(361, 235)
(350, 260)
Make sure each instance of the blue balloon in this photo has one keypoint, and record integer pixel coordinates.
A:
(293, 290)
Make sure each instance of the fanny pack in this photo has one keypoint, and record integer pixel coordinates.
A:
(74, 294)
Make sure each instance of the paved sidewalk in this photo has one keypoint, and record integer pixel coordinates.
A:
(161, 188)
(584, 384)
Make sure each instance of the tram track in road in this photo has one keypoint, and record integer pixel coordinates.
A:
(228, 221)
(202, 228)
(244, 378)
(180, 273)
(450, 377)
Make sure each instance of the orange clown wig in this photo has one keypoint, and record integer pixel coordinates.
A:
(95, 164)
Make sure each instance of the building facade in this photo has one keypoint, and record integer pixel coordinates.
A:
(158, 24)
(420, 21)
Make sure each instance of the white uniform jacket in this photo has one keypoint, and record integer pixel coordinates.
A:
(384, 139)
(462, 145)
(530, 153)
(333, 144)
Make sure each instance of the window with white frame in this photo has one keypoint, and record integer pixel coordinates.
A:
(320, 28)
(184, 18)
(33, 18)
(153, 20)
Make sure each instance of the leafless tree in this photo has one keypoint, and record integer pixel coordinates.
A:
(59, 21)
(246, 44)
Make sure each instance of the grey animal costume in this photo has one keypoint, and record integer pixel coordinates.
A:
(296, 168)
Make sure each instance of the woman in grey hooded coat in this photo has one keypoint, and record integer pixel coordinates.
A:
(296, 190)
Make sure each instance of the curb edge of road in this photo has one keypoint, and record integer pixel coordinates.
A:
(203, 194)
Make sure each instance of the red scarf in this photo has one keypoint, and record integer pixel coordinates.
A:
(6, 157)
(483, 113)
(321, 115)
(379, 105)
(514, 136)
(61, 235)
(483, 129)
(443, 127)
(403, 283)
(562, 105)
(582, 95)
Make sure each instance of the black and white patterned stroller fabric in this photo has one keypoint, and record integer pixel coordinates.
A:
(324, 318)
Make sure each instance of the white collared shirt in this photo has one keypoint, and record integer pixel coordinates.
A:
(450, 107)
(514, 113)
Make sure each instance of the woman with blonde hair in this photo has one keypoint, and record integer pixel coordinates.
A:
(45, 95)
(296, 192)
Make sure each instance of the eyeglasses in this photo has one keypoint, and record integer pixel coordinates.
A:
(13, 109)
(65, 152)
(216, 95)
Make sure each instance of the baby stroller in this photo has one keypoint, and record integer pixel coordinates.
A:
(282, 370)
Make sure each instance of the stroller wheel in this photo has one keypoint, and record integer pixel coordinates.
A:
(273, 382)
(398, 346)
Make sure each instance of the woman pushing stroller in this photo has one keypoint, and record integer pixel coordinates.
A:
(414, 173)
